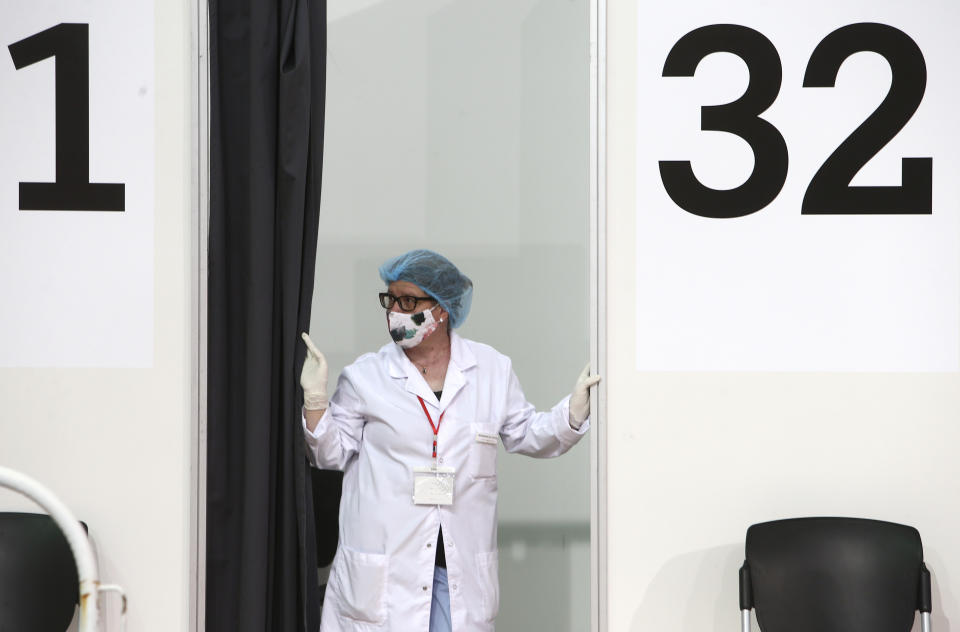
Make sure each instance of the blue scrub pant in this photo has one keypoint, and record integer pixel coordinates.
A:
(440, 605)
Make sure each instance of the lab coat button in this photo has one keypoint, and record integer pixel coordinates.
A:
(429, 545)
(424, 587)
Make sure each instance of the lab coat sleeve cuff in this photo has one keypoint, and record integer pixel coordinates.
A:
(582, 430)
(568, 432)
(316, 431)
(314, 438)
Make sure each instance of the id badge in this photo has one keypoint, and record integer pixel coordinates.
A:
(433, 485)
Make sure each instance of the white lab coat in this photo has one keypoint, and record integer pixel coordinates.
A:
(376, 432)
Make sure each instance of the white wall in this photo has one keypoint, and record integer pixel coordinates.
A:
(696, 457)
(115, 444)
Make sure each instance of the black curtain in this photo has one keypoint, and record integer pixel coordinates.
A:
(268, 71)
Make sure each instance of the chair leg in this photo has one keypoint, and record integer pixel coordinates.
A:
(924, 622)
(745, 621)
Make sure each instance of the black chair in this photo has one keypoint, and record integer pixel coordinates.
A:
(834, 575)
(39, 586)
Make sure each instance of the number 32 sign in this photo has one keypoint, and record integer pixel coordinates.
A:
(829, 191)
(797, 203)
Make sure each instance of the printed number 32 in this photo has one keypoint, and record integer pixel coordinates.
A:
(829, 192)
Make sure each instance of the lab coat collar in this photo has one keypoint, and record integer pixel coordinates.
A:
(461, 359)
(460, 354)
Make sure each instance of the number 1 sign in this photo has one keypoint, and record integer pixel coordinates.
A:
(72, 190)
(796, 203)
(76, 184)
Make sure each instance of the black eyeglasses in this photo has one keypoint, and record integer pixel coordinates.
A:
(407, 303)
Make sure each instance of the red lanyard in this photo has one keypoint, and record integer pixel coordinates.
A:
(435, 428)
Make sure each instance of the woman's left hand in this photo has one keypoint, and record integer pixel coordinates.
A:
(580, 398)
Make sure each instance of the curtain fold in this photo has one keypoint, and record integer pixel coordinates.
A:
(268, 72)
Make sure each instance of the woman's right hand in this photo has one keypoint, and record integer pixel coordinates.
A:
(313, 377)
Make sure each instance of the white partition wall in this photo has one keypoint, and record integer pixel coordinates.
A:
(790, 348)
(99, 277)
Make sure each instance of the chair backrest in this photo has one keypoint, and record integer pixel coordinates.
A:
(38, 574)
(834, 574)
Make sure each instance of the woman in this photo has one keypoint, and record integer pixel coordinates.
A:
(415, 428)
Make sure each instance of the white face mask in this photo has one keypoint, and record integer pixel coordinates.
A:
(409, 330)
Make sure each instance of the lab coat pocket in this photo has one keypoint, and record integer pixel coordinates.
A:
(483, 452)
(360, 581)
(488, 569)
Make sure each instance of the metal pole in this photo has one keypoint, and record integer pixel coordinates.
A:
(598, 315)
(76, 538)
(744, 621)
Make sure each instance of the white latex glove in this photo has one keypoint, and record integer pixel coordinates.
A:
(313, 377)
(580, 398)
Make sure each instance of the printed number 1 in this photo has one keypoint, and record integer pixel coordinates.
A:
(72, 190)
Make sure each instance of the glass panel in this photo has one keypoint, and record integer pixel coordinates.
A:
(463, 127)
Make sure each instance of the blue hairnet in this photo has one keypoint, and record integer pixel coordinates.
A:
(436, 276)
